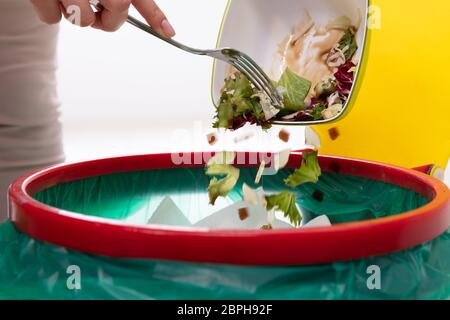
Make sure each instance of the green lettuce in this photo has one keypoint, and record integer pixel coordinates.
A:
(348, 39)
(308, 172)
(221, 187)
(240, 102)
(294, 89)
(285, 202)
(316, 113)
(238, 105)
(225, 115)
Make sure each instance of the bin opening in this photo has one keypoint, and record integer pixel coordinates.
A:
(135, 196)
(103, 207)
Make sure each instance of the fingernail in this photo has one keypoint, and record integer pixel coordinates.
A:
(167, 28)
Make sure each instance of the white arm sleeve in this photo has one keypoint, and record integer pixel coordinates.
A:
(30, 132)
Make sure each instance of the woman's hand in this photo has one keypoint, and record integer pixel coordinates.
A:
(111, 18)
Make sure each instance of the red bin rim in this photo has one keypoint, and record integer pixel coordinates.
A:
(342, 242)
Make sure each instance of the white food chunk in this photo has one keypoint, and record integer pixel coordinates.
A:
(254, 197)
(266, 104)
(332, 111)
(312, 138)
(244, 137)
(260, 172)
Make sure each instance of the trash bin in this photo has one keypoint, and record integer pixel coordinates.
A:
(92, 216)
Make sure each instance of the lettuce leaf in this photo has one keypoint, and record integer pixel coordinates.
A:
(294, 89)
(316, 113)
(285, 202)
(308, 172)
(221, 187)
(225, 115)
(239, 105)
(348, 39)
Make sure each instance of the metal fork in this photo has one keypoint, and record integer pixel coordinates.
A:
(237, 59)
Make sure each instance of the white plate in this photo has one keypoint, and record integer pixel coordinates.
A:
(257, 27)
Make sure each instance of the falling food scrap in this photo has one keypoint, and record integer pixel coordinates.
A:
(281, 159)
(336, 168)
(243, 214)
(334, 133)
(243, 137)
(284, 135)
(254, 197)
(212, 138)
(312, 138)
(318, 195)
(258, 177)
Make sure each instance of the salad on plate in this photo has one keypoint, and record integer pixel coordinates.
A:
(317, 65)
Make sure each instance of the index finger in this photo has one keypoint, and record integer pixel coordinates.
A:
(155, 17)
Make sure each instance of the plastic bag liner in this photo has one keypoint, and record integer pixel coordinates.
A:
(133, 197)
(35, 270)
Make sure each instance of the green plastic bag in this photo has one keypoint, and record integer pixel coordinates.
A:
(35, 270)
(133, 197)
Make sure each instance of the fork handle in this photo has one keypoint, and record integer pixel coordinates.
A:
(145, 27)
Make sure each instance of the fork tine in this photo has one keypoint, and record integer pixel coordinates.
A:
(248, 67)
(248, 73)
(248, 61)
(251, 63)
(268, 87)
(256, 80)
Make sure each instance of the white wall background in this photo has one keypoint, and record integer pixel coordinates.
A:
(128, 92)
